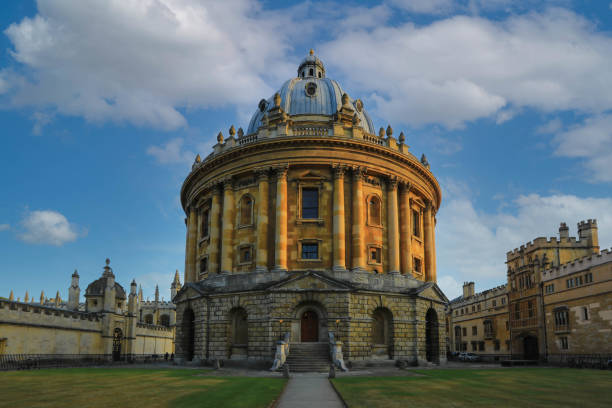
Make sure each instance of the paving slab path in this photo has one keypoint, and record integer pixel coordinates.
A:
(309, 391)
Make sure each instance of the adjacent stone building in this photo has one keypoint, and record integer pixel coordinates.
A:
(478, 322)
(307, 224)
(106, 323)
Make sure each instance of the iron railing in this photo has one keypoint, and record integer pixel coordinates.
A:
(33, 361)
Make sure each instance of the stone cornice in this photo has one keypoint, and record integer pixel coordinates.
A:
(317, 142)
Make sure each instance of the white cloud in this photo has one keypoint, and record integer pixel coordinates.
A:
(5, 227)
(450, 286)
(171, 152)
(591, 141)
(472, 245)
(552, 126)
(463, 68)
(47, 227)
(141, 61)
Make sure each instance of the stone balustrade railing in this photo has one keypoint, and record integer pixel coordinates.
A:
(335, 351)
(282, 351)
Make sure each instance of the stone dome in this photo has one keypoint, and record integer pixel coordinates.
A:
(310, 93)
(97, 287)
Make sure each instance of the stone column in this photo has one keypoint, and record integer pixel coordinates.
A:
(215, 231)
(358, 247)
(430, 272)
(393, 226)
(405, 230)
(227, 244)
(261, 259)
(280, 253)
(339, 238)
(190, 246)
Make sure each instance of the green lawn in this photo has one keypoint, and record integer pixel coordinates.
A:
(500, 388)
(127, 387)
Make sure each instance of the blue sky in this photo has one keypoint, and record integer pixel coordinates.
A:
(103, 106)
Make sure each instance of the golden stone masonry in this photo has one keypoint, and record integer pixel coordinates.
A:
(310, 227)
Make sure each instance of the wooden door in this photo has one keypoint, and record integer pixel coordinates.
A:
(310, 326)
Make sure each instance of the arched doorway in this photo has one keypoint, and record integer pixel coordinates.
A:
(382, 335)
(188, 328)
(432, 338)
(530, 348)
(309, 326)
(117, 338)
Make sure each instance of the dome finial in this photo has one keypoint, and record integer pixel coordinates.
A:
(311, 51)
(220, 137)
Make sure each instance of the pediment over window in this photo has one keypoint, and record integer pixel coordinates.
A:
(310, 176)
(188, 291)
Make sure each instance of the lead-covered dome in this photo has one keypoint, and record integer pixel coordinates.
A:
(311, 93)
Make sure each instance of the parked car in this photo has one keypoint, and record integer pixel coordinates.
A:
(463, 356)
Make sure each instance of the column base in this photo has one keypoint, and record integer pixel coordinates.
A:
(394, 273)
(261, 269)
(358, 269)
(279, 269)
(339, 268)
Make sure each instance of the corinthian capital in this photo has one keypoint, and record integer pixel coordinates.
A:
(339, 170)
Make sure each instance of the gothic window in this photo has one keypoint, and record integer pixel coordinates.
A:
(530, 309)
(374, 211)
(164, 320)
(517, 311)
(204, 225)
(149, 319)
(310, 250)
(561, 319)
(246, 210)
(416, 224)
(310, 203)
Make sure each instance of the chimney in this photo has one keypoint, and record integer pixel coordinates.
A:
(563, 231)
(468, 289)
(587, 233)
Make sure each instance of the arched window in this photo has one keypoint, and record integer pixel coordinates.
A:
(148, 319)
(188, 335)
(382, 333)
(311, 72)
(246, 210)
(374, 215)
(164, 320)
(432, 348)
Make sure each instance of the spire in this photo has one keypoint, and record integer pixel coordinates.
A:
(58, 299)
(42, 297)
(11, 296)
(156, 293)
(26, 298)
(140, 297)
(177, 280)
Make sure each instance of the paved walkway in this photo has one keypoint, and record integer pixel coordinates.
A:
(309, 391)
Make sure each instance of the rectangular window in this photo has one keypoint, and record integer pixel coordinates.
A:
(473, 308)
(517, 311)
(245, 255)
(478, 307)
(204, 265)
(310, 203)
(464, 331)
(550, 288)
(570, 283)
(494, 303)
(585, 313)
(503, 301)
(564, 343)
(588, 278)
(310, 251)
(481, 346)
(474, 330)
(464, 346)
(416, 224)
(205, 216)
(417, 265)
(530, 310)
(474, 345)
(375, 255)
(497, 345)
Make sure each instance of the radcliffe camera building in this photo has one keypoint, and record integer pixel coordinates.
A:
(310, 224)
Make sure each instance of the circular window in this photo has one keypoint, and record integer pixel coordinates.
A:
(311, 89)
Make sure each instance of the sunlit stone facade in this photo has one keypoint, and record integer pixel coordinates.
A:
(310, 211)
